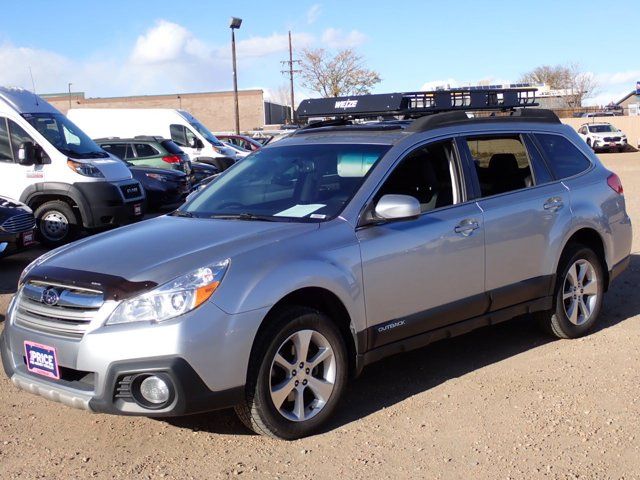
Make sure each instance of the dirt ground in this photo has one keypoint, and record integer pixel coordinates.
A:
(503, 402)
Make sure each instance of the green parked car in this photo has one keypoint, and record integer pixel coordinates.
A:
(148, 151)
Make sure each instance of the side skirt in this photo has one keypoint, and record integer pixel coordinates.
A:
(453, 330)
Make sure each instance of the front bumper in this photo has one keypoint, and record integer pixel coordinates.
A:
(602, 145)
(205, 354)
(105, 204)
(11, 243)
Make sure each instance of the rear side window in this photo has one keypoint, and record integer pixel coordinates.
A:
(146, 150)
(564, 158)
(502, 164)
(5, 147)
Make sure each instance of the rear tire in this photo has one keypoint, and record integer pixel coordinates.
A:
(297, 375)
(578, 294)
(57, 223)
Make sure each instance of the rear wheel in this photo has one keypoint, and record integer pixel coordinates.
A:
(57, 223)
(578, 296)
(296, 377)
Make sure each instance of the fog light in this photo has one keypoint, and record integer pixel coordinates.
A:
(155, 390)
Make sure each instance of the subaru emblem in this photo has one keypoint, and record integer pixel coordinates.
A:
(50, 297)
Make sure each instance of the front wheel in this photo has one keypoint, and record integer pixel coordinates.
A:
(57, 224)
(578, 296)
(296, 376)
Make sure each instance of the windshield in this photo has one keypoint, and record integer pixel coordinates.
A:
(602, 128)
(64, 135)
(298, 182)
(202, 130)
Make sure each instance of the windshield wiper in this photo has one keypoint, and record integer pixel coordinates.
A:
(180, 213)
(245, 216)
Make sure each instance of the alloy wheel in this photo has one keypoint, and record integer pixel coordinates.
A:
(580, 292)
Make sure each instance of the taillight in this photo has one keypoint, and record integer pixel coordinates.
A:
(171, 159)
(614, 182)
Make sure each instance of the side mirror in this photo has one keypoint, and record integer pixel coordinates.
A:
(27, 154)
(396, 207)
(196, 143)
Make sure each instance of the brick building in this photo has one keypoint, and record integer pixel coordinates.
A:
(214, 109)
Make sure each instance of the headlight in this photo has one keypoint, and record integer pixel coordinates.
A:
(157, 176)
(172, 299)
(38, 261)
(85, 169)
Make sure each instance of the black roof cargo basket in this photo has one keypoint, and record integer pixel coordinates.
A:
(417, 104)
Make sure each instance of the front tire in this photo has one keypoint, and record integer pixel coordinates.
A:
(297, 375)
(578, 296)
(57, 223)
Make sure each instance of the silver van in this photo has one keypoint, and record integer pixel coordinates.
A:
(312, 258)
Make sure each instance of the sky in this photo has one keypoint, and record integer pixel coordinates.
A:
(134, 47)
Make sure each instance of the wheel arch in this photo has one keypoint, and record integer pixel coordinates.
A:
(328, 303)
(591, 238)
(40, 193)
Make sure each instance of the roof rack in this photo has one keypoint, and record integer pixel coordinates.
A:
(417, 104)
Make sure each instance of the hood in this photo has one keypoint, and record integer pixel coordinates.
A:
(113, 169)
(158, 250)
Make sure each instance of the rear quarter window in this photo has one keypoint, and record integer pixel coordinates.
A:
(146, 150)
(564, 158)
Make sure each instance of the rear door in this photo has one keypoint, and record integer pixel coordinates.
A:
(423, 273)
(526, 214)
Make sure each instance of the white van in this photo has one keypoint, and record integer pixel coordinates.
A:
(180, 126)
(49, 164)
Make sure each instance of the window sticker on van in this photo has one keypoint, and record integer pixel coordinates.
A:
(300, 211)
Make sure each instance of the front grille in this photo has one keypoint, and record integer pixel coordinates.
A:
(131, 191)
(611, 139)
(19, 223)
(60, 310)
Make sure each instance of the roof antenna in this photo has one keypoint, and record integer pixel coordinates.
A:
(33, 84)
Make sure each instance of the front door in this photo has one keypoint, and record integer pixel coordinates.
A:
(427, 272)
(15, 178)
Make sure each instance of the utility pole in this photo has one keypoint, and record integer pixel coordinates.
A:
(290, 63)
(70, 95)
(234, 24)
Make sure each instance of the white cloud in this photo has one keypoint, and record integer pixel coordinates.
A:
(167, 42)
(336, 38)
(613, 86)
(274, 43)
(314, 13)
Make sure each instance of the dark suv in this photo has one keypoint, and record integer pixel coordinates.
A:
(149, 151)
(16, 226)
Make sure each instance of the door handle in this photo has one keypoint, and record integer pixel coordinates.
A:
(466, 227)
(553, 204)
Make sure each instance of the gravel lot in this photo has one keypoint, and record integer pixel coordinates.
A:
(502, 402)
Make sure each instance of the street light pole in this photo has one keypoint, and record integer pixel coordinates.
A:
(235, 24)
(70, 95)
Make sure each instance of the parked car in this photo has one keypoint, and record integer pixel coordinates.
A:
(314, 257)
(162, 187)
(243, 141)
(240, 152)
(603, 136)
(180, 126)
(17, 225)
(202, 171)
(604, 113)
(145, 151)
(49, 164)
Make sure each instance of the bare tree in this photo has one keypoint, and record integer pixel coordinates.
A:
(577, 84)
(336, 75)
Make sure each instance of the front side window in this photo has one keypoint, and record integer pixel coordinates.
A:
(297, 182)
(178, 135)
(427, 174)
(5, 146)
(18, 137)
(502, 164)
(564, 158)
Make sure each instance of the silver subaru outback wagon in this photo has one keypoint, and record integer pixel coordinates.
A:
(338, 246)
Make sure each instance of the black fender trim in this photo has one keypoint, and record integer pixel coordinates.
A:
(61, 190)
